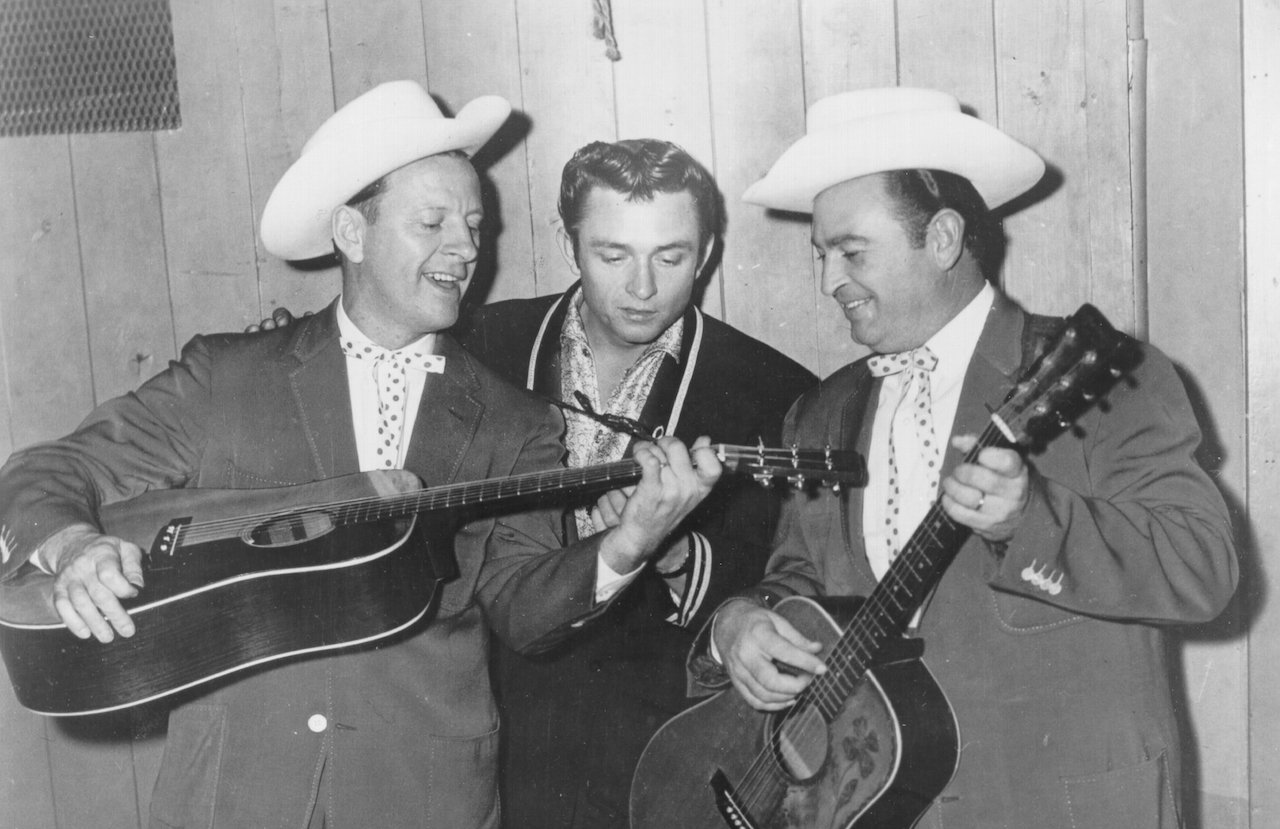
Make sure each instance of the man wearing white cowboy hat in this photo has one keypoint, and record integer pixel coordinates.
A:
(1044, 631)
(404, 734)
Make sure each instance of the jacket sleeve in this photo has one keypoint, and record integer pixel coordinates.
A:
(147, 439)
(1143, 533)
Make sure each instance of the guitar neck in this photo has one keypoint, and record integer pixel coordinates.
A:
(901, 592)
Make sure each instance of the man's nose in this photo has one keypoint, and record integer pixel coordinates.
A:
(832, 276)
(461, 242)
(641, 283)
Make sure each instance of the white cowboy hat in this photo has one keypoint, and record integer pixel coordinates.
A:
(869, 131)
(384, 129)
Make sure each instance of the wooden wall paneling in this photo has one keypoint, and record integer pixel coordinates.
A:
(568, 97)
(1261, 30)
(473, 49)
(1040, 82)
(662, 86)
(122, 246)
(286, 92)
(204, 180)
(950, 46)
(1195, 216)
(846, 46)
(42, 291)
(1108, 192)
(371, 43)
(757, 107)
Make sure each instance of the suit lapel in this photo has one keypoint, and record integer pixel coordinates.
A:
(991, 373)
(319, 387)
(855, 431)
(448, 417)
(666, 399)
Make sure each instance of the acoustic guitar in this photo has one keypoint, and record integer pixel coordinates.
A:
(239, 578)
(871, 742)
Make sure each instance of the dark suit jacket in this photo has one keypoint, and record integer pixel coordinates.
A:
(1062, 699)
(411, 736)
(576, 719)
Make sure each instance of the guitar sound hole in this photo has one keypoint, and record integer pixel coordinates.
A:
(288, 530)
(802, 743)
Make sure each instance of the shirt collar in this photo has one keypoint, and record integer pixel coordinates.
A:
(955, 342)
(348, 330)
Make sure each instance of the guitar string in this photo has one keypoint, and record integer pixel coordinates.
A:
(810, 464)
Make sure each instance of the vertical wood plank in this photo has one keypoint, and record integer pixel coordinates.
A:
(371, 43)
(662, 87)
(567, 92)
(204, 180)
(950, 46)
(41, 291)
(1261, 46)
(1107, 192)
(846, 46)
(474, 50)
(757, 106)
(286, 92)
(122, 245)
(1040, 87)
(1195, 202)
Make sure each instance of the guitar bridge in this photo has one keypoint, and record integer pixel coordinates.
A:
(165, 544)
(730, 810)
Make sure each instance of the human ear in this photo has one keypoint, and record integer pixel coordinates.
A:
(945, 238)
(566, 250)
(348, 226)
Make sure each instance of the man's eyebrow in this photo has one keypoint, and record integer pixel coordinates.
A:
(837, 240)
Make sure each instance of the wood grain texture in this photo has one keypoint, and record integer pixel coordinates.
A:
(567, 94)
(757, 90)
(1261, 90)
(122, 244)
(204, 180)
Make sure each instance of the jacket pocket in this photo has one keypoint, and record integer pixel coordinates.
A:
(187, 786)
(1134, 797)
(464, 781)
(1019, 614)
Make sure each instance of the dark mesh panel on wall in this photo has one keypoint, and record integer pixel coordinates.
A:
(87, 66)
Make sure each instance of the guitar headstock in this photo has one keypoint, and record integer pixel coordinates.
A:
(1086, 359)
(797, 467)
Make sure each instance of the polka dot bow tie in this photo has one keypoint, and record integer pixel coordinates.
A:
(390, 371)
(910, 430)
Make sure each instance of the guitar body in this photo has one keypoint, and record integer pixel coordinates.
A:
(878, 761)
(285, 584)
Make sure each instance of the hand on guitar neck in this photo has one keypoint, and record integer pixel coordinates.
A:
(770, 662)
(93, 572)
(675, 481)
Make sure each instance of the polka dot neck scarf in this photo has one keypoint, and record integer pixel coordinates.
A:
(911, 428)
(390, 371)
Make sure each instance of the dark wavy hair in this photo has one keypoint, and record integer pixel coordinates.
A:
(639, 168)
(920, 194)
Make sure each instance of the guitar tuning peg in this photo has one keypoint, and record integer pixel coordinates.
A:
(1115, 372)
(763, 479)
(837, 488)
(796, 481)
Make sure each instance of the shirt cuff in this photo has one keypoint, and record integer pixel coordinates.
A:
(609, 581)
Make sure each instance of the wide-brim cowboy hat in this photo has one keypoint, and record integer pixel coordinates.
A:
(384, 129)
(869, 131)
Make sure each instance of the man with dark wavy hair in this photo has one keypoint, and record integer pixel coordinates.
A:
(641, 221)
